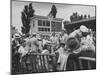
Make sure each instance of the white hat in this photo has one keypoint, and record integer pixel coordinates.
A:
(83, 28)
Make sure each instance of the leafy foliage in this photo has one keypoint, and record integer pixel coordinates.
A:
(26, 14)
(53, 11)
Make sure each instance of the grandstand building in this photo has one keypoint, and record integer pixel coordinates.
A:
(45, 25)
(89, 22)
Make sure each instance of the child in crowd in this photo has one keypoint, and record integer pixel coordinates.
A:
(63, 56)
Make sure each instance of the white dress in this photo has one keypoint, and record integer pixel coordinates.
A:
(63, 56)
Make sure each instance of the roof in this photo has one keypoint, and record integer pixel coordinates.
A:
(83, 20)
(46, 17)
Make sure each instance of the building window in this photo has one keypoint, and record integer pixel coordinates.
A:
(53, 26)
(44, 29)
(56, 26)
(39, 22)
(44, 23)
(47, 23)
(48, 29)
(39, 29)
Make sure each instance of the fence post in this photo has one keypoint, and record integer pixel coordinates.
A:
(80, 64)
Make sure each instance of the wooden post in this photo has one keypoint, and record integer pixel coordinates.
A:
(80, 64)
(89, 65)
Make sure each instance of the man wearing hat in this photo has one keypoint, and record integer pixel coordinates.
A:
(54, 41)
(64, 36)
(75, 38)
(82, 29)
(87, 45)
(34, 43)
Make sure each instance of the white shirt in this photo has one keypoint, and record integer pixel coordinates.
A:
(22, 50)
(64, 38)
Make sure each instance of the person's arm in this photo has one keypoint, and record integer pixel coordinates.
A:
(74, 55)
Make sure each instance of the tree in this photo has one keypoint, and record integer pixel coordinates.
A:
(53, 11)
(31, 10)
(26, 14)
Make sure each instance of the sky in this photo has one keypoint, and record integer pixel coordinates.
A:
(64, 11)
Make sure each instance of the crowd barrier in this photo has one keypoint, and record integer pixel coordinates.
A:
(82, 63)
(39, 63)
